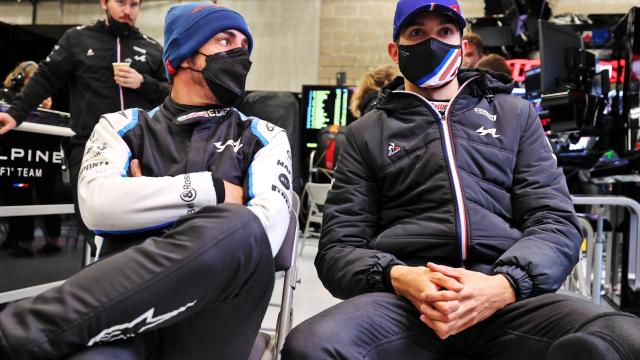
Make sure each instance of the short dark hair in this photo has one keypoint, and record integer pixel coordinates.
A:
(495, 63)
(475, 40)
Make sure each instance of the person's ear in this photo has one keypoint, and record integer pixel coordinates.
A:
(189, 62)
(103, 4)
(392, 49)
(465, 45)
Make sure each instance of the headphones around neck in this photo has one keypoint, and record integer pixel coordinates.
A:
(18, 77)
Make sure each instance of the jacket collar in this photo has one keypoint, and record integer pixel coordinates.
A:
(483, 84)
(186, 114)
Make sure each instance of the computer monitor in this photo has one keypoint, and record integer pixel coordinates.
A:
(557, 44)
(323, 106)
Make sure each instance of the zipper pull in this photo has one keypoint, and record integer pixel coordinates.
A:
(490, 97)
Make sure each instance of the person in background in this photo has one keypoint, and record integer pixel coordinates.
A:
(21, 228)
(83, 58)
(17, 79)
(495, 63)
(474, 51)
(367, 91)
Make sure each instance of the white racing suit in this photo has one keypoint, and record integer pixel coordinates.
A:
(187, 277)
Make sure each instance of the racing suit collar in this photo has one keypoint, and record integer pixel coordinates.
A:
(186, 114)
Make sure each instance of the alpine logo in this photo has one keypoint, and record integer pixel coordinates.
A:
(235, 145)
(138, 325)
(485, 113)
(90, 52)
(141, 58)
(482, 131)
(392, 149)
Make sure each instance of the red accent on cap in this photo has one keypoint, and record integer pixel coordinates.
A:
(204, 7)
(456, 8)
(172, 71)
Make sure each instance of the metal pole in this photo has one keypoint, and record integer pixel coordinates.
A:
(597, 271)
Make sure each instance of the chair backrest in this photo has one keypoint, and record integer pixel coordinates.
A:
(318, 192)
(285, 255)
(295, 203)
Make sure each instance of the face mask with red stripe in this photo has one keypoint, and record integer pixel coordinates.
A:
(431, 63)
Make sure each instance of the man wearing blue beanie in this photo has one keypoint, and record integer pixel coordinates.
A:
(192, 199)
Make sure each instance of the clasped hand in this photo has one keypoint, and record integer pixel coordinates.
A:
(451, 300)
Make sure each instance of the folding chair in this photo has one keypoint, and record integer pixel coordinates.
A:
(318, 173)
(266, 347)
(316, 197)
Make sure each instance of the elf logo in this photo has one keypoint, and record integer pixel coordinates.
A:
(392, 149)
(482, 131)
(485, 113)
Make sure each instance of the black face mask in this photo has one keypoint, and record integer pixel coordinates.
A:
(119, 28)
(430, 64)
(226, 74)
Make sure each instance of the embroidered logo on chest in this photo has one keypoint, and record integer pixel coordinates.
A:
(482, 131)
(392, 149)
(235, 145)
(485, 113)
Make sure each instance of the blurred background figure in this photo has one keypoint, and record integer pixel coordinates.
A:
(475, 50)
(367, 91)
(17, 79)
(20, 236)
(495, 63)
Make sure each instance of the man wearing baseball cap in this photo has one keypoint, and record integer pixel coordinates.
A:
(449, 227)
(192, 199)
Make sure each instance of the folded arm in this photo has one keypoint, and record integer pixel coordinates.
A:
(112, 202)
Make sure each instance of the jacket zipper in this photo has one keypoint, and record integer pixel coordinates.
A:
(449, 154)
(118, 56)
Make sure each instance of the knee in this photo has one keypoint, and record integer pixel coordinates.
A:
(606, 336)
(313, 340)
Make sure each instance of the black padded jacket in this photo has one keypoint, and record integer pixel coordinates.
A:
(479, 188)
(83, 58)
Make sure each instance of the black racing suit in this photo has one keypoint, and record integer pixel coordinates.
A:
(204, 280)
(83, 59)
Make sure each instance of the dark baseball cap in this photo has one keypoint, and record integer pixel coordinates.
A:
(405, 9)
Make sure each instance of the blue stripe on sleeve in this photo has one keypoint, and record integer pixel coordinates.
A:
(256, 132)
(132, 123)
(251, 194)
(134, 231)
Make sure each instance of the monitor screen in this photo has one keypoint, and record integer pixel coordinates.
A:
(323, 106)
(555, 42)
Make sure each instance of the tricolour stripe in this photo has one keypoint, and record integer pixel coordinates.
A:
(451, 67)
(435, 72)
(119, 87)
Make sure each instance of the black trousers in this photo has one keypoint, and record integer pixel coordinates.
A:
(384, 326)
(198, 292)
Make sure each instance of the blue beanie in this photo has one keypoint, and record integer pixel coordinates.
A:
(189, 26)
